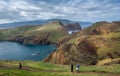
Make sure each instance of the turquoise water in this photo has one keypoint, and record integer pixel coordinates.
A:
(16, 51)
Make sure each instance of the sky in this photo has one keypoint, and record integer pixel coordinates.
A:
(75, 10)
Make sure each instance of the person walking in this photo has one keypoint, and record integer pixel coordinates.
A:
(72, 67)
(77, 67)
(20, 65)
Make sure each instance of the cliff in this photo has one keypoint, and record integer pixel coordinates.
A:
(92, 45)
(72, 26)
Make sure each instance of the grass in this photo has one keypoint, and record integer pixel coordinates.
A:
(83, 68)
(111, 47)
(18, 72)
(54, 31)
(109, 36)
(64, 69)
(47, 66)
(37, 65)
(94, 26)
(108, 61)
(107, 69)
(51, 32)
(106, 45)
(16, 30)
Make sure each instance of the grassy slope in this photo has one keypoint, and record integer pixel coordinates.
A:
(49, 66)
(52, 31)
(108, 47)
(55, 30)
(112, 39)
(17, 31)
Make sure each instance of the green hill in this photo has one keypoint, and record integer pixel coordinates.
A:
(93, 45)
(49, 33)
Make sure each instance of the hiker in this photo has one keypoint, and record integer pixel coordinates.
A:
(77, 67)
(72, 67)
(20, 65)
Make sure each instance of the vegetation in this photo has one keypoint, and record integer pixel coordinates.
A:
(19, 72)
(49, 33)
(98, 42)
(36, 68)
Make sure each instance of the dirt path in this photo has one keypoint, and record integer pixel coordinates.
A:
(31, 69)
(75, 73)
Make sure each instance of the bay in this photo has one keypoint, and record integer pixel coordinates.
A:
(16, 51)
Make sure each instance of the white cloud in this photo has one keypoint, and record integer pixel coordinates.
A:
(5, 21)
(79, 10)
(22, 13)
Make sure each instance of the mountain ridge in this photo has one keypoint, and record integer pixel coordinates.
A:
(41, 22)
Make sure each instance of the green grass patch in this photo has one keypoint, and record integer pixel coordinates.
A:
(106, 68)
(47, 66)
(64, 69)
(19, 72)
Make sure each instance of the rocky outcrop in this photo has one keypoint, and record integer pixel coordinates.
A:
(93, 44)
(72, 26)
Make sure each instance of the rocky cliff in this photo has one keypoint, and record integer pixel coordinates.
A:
(72, 26)
(92, 45)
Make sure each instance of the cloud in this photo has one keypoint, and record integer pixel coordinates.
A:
(78, 10)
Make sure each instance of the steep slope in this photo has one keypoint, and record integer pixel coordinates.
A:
(49, 33)
(90, 46)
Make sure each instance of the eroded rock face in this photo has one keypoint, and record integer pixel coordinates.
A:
(72, 27)
(95, 43)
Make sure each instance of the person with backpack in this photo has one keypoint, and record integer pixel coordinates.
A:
(77, 67)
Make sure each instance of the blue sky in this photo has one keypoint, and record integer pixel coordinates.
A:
(76, 10)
